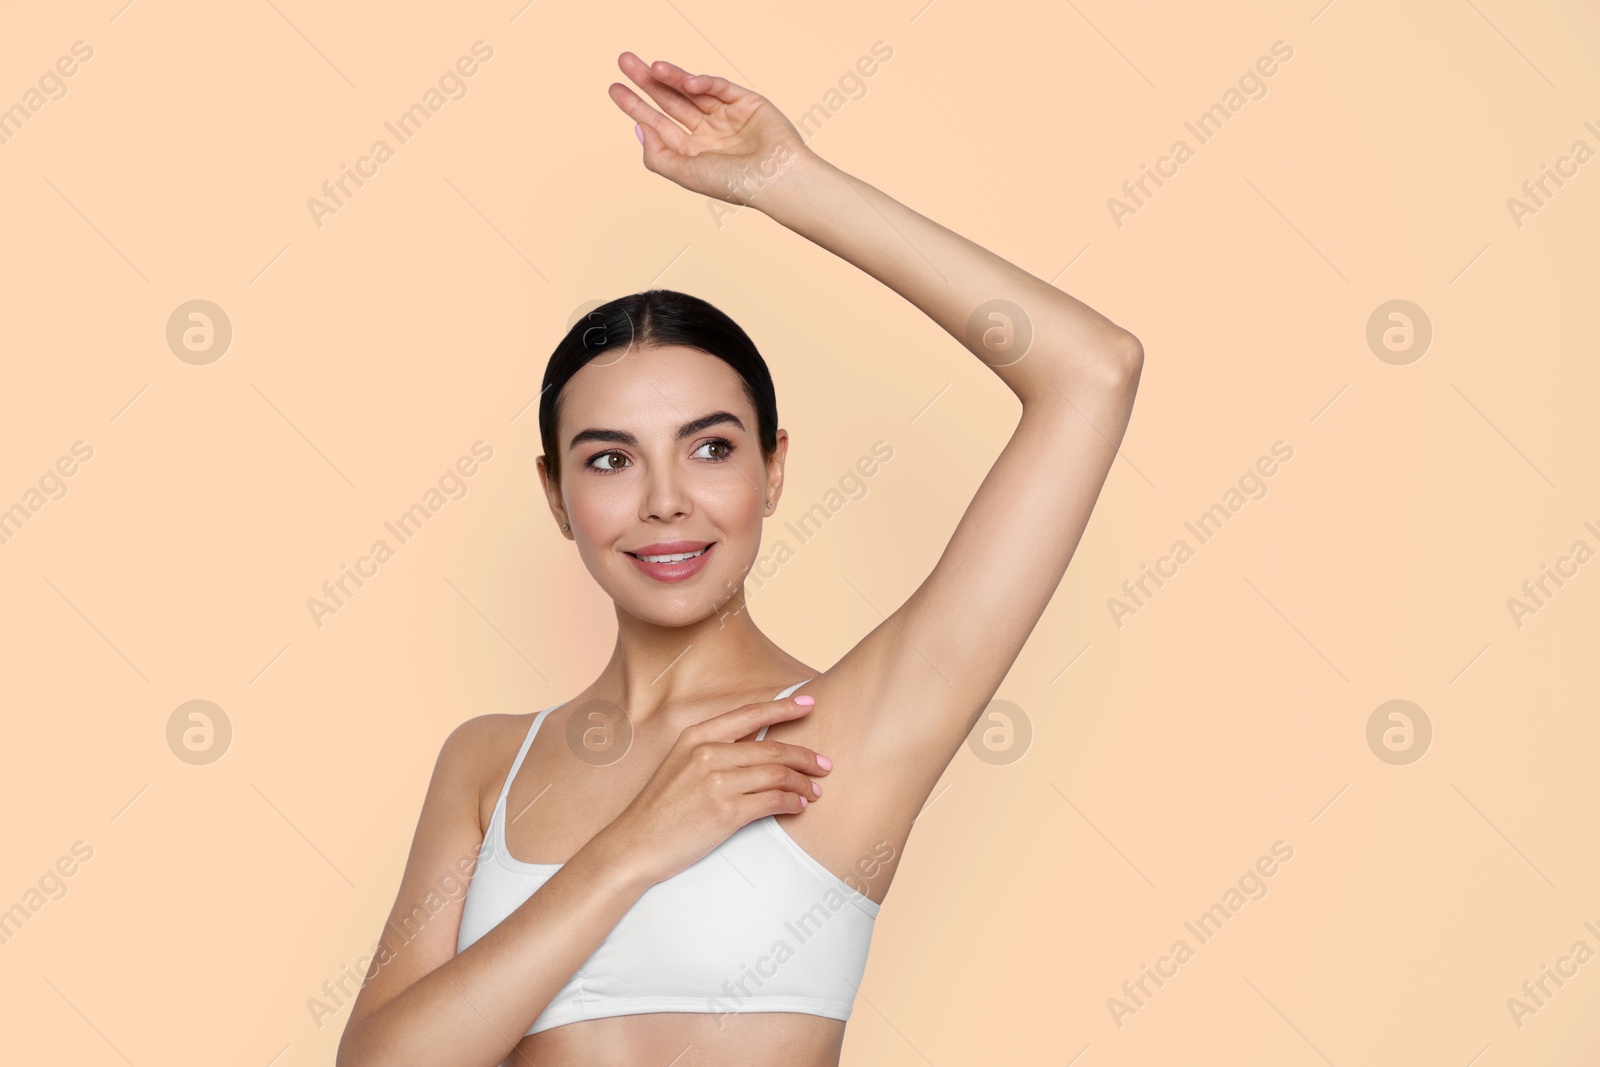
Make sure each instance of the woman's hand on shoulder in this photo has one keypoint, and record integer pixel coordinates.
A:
(715, 138)
(710, 784)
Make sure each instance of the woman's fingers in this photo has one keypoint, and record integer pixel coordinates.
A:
(701, 86)
(663, 92)
(767, 776)
(771, 751)
(692, 87)
(742, 721)
(635, 108)
(667, 132)
(705, 90)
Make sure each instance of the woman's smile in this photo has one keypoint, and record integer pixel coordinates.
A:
(672, 562)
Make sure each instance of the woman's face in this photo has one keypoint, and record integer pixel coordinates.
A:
(659, 446)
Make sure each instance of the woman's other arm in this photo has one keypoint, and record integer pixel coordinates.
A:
(427, 1006)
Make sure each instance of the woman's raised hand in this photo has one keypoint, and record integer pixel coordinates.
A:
(716, 138)
(710, 784)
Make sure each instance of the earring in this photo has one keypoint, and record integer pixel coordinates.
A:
(565, 528)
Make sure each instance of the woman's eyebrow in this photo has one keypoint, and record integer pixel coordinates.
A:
(688, 429)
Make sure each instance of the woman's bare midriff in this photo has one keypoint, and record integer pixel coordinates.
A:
(686, 1039)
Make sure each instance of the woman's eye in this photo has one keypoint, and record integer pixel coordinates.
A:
(725, 446)
(604, 459)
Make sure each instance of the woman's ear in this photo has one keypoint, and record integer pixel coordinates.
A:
(552, 496)
(544, 475)
(775, 470)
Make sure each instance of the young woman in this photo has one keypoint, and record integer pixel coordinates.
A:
(659, 879)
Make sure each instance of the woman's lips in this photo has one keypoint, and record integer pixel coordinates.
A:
(673, 572)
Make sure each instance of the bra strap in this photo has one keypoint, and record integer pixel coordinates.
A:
(522, 754)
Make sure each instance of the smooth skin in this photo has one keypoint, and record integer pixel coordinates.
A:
(891, 713)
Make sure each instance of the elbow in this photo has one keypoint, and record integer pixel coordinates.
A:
(1115, 364)
(1112, 364)
(1127, 356)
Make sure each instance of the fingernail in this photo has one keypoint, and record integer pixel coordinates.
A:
(805, 702)
(637, 132)
(816, 788)
(825, 763)
(803, 802)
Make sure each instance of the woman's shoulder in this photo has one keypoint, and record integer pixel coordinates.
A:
(477, 754)
(483, 736)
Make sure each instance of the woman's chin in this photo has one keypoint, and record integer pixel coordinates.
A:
(675, 609)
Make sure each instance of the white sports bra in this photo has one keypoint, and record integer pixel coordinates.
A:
(757, 924)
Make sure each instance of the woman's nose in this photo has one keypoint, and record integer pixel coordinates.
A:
(664, 496)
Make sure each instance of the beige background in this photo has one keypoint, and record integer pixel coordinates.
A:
(1227, 714)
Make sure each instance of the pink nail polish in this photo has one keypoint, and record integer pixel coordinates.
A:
(805, 702)
(825, 763)
(637, 132)
(803, 802)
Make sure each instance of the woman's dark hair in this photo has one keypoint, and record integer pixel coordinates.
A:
(656, 317)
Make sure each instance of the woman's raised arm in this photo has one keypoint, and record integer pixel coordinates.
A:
(922, 678)
(918, 682)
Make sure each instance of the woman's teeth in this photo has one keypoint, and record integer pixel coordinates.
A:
(676, 558)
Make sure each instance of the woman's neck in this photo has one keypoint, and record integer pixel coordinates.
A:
(722, 657)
